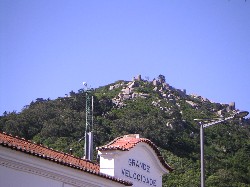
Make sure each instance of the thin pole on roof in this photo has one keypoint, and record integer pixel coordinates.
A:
(88, 145)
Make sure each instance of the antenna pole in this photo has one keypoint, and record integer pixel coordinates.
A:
(88, 149)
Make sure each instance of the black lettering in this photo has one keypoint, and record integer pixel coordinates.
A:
(137, 164)
(154, 182)
(148, 167)
(144, 179)
(150, 182)
(127, 173)
(133, 162)
(130, 175)
(134, 175)
(143, 166)
(138, 177)
(129, 162)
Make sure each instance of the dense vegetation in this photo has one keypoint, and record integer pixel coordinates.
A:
(158, 112)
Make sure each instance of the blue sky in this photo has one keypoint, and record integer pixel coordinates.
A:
(49, 47)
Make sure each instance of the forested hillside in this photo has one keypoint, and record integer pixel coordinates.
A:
(156, 111)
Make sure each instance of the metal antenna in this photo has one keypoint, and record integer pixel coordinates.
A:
(88, 147)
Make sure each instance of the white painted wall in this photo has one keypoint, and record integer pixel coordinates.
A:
(10, 177)
(107, 162)
(22, 170)
(139, 165)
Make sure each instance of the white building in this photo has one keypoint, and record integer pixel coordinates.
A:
(135, 159)
(126, 161)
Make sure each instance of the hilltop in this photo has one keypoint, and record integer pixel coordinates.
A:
(155, 110)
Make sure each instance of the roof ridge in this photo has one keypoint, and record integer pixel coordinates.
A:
(45, 147)
(127, 145)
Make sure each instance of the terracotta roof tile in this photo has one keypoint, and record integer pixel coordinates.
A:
(28, 147)
(127, 142)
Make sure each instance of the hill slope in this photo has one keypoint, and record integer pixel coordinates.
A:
(156, 111)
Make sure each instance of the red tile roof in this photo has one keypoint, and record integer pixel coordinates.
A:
(127, 142)
(38, 150)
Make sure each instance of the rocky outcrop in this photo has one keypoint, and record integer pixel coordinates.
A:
(172, 96)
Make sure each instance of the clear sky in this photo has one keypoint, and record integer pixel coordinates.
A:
(49, 47)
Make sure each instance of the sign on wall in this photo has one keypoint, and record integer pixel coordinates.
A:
(138, 171)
